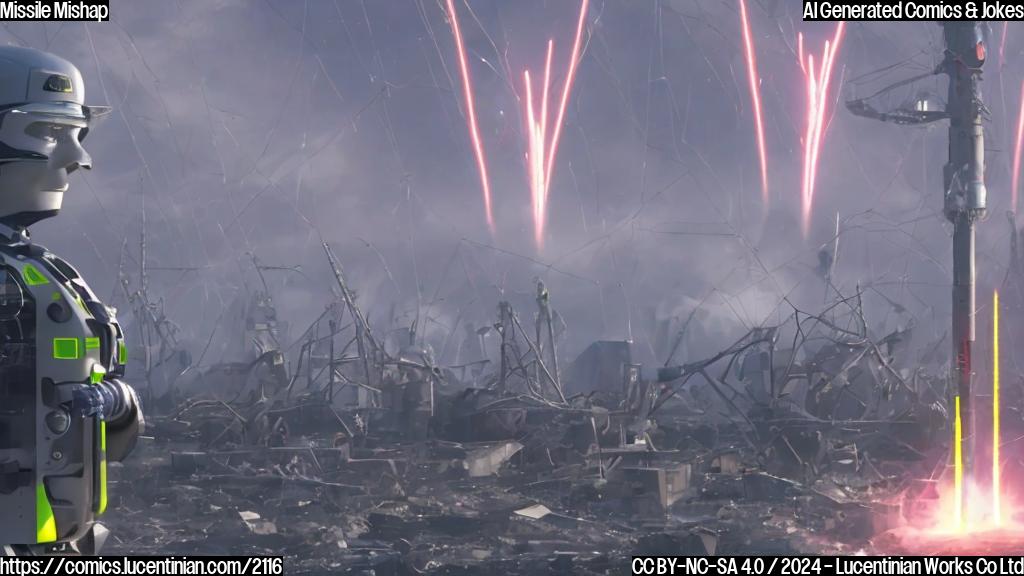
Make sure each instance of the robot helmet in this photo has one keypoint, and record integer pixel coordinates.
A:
(43, 121)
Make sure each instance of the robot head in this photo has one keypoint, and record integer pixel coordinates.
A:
(42, 124)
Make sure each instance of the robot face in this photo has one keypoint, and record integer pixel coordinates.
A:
(43, 119)
(40, 145)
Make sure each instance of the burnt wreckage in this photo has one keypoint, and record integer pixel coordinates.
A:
(352, 450)
(348, 453)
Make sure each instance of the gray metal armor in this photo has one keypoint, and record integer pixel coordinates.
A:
(64, 411)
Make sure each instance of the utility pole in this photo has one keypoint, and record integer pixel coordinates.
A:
(544, 317)
(964, 180)
(505, 331)
(964, 204)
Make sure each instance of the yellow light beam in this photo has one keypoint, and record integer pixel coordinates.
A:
(958, 469)
(996, 512)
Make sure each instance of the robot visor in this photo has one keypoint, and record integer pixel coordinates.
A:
(55, 112)
(51, 130)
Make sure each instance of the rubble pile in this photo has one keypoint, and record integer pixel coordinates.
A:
(350, 458)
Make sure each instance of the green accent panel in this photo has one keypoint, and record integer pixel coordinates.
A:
(92, 343)
(103, 469)
(65, 348)
(122, 353)
(32, 275)
(46, 526)
(97, 374)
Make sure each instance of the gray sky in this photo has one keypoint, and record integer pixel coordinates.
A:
(258, 126)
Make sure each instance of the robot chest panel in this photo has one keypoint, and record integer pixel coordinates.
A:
(42, 314)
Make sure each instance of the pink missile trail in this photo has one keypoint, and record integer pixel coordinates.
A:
(542, 150)
(818, 81)
(547, 89)
(474, 129)
(537, 134)
(755, 96)
(1016, 153)
(570, 77)
(535, 161)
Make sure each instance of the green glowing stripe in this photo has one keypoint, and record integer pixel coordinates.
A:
(103, 469)
(32, 275)
(46, 526)
(92, 343)
(65, 348)
(122, 353)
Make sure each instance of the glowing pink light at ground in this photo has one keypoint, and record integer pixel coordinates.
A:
(1015, 181)
(474, 130)
(542, 150)
(929, 525)
(818, 81)
(963, 516)
(755, 96)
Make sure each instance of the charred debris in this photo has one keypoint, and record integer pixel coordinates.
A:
(350, 458)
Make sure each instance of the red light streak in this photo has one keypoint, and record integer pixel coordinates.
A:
(1016, 153)
(755, 95)
(537, 133)
(535, 161)
(817, 101)
(542, 151)
(573, 63)
(474, 130)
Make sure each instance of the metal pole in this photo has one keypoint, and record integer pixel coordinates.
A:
(365, 343)
(504, 325)
(964, 205)
(330, 363)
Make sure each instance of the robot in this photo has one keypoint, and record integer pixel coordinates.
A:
(64, 410)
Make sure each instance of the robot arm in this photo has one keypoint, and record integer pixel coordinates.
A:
(124, 419)
(117, 404)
